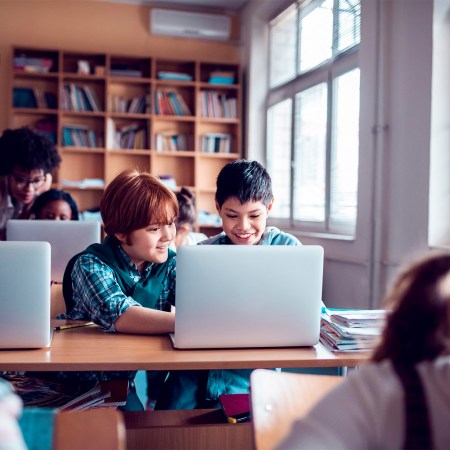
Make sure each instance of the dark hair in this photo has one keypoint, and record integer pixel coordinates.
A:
(135, 200)
(418, 326)
(50, 196)
(27, 149)
(186, 205)
(244, 180)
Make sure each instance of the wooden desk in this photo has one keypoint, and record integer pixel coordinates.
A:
(88, 348)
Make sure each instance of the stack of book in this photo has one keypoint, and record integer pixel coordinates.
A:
(65, 395)
(351, 330)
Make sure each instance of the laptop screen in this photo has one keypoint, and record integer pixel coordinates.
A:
(66, 237)
(25, 294)
(248, 296)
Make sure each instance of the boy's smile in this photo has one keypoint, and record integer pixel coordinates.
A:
(244, 224)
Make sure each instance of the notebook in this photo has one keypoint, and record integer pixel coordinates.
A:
(66, 237)
(237, 296)
(25, 295)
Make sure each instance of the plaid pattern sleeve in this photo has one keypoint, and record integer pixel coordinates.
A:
(97, 294)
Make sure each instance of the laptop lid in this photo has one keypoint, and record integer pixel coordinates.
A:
(236, 296)
(25, 295)
(66, 237)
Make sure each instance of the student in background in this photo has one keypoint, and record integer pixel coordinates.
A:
(126, 284)
(244, 199)
(402, 399)
(27, 162)
(54, 205)
(10, 410)
(186, 219)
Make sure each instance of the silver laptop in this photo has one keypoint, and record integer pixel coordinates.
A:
(237, 296)
(66, 237)
(25, 295)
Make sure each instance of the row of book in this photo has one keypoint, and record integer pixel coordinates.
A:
(170, 102)
(135, 105)
(79, 98)
(25, 97)
(80, 136)
(23, 63)
(173, 141)
(129, 136)
(215, 143)
(67, 395)
(351, 330)
(216, 105)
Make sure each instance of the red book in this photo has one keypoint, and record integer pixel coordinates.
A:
(236, 407)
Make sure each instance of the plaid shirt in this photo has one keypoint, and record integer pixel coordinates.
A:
(98, 296)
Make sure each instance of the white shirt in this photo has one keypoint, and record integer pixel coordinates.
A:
(366, 410)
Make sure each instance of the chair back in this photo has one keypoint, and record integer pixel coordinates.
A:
(280, 398)
(91, 429)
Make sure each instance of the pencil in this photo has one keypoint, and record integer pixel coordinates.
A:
(74, 325)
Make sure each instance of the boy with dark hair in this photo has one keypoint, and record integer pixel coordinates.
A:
(27, 162)
(243, 200)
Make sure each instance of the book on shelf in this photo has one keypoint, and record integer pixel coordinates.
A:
(173, 141)
(215, 143)
(23, 63)
(67, 395)
(174, 76)
(125, 70)
(80, 136)
(221, 77)
(341, 335)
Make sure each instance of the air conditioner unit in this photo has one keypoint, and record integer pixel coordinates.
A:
(169, 22)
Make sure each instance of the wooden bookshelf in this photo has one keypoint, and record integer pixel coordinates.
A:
(110, 112)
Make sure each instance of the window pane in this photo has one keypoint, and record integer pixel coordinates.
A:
(348, 24)
(279, 156)
(345, 149)
(310, 154)
(316, 33)
(283, 40)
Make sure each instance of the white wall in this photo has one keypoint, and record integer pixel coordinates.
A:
(396, 67)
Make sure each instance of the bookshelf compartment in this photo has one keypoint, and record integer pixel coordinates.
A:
(82, 169)
(36, 93)
(179, 167)
(84, 64)
(175, 71)
(82, 96)
(219, 74)
(129, 98)
(129, 67)
(35, 61)
(125, 134)
(82, 132)
(122, 160)
(173, 136)
(174, 101)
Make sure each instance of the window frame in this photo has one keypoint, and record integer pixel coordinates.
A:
(326, 72)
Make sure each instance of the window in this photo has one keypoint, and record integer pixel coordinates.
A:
(313, 115)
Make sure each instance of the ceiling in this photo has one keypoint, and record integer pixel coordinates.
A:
(230, 5)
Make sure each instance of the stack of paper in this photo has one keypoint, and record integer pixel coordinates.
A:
(351, 330)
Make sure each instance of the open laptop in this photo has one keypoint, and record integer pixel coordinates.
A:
(25, 295)
(237, 296)
(66, 237)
